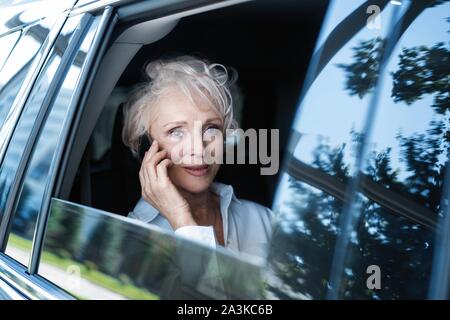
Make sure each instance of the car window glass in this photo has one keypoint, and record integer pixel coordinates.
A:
(93, 254)
(403, 174)
(18, 65)
(22, 225)
(322, 160)
(11, 78)
(14, 14)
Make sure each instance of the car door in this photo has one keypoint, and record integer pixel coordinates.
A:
(54, 70)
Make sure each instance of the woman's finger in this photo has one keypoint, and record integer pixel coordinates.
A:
(152, 150)
(161, 169)
(144, 166)
(141, 177)
(146, 175)
(143, 180)
(148, 156)
(155, 160)
(147, 187)
(142, 173)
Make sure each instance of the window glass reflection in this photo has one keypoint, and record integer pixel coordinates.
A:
(9, 3)
(14, 14)
(7, 44)
(118, 258)
(327, 130)
(16, 68)
(11, 78)
(409, 149)
(23, 222)
(10, 14)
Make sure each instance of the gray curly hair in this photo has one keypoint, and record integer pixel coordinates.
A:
(196, 78)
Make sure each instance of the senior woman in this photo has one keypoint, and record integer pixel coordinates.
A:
(186, 110)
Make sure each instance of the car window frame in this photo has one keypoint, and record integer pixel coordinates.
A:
(108, 27)
(40, 122)
(22, 277)
(126, 11)
(36, 67)
(14, 113)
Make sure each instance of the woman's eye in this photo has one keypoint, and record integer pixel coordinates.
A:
(176, 133)
(212, 130)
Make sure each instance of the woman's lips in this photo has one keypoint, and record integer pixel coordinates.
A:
(197, 171)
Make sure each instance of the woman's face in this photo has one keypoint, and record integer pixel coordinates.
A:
(192, 135)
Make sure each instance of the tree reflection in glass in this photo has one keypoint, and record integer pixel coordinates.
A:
(402, 178)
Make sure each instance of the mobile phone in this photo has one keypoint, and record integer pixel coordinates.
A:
(145, 141)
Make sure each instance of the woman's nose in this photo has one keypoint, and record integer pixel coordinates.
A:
(197, 144)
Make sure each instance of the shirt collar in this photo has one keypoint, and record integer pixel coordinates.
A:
(147, 213)
(225, 192)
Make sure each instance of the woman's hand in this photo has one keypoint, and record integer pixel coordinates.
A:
(160, 192)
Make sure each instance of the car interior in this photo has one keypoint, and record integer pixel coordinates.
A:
(269, 47)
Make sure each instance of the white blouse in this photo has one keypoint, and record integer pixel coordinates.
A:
(247, 226)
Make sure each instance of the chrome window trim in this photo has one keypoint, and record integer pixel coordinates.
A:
(96, 49)
(12, 49)
(14, 113)
(22, 27)
(10, 292)
(32, 287)
(95, 6)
